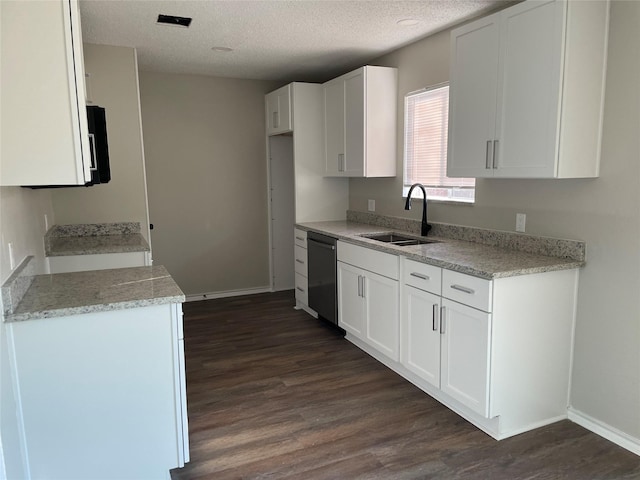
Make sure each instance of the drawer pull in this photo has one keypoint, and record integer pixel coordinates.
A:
(300, 289)
(299, 238)
(299, 261)
(460, 288)
(419, 275)
(434, 324)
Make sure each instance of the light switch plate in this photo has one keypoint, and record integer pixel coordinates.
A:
(521, 221)
(372, 205)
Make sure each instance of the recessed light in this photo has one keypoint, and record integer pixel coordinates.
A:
(222, 49)
(408, 22)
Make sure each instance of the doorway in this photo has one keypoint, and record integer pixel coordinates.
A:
(281, 211)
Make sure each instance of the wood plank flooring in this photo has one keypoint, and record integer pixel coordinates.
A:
(274, 393)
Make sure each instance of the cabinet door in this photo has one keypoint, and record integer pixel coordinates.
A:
(381, 313)
(354, 124)
(472, 99)
(465, 357)
(350, 301)
(531, 50)
(420, 343)
(334, 127)
(43, 115)
(278, 106)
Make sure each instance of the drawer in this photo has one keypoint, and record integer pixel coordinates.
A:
(422, 276)
(300, 237)
(302, 285)
(301, 260)
(473, 291)
(384, 264)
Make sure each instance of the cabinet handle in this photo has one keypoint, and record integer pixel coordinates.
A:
(322, 245)
(419, 275)
(460, 288)
(434, 324)
(359, 285)
(364, 287)
(300, 289)
(488, 155)
(299, 261)
(300, 238)
(341, 162)
(276, 119)
(443, 318)
(495, 154)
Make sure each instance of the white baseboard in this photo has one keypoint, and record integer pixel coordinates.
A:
(607, 431)
(227, 293)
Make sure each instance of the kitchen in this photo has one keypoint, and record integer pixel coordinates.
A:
(602, 211)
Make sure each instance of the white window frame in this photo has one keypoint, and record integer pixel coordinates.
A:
(438, 193)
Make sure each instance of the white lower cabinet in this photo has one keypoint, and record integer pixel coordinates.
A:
(465, 355)
(302, 272)
(102, 261)
(367, 300)
(350, 301)
(421, 334)
(497, 352)
(445, 343)
(102, 394)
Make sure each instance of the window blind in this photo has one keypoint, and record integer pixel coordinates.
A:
(426, 129)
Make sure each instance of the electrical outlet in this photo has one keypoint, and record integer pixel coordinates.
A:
(372, 205)
(521, 221)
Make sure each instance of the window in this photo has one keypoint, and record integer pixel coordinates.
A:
(426, 123)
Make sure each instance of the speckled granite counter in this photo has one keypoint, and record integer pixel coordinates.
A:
(75, 293)
(89, 239)
(477, 259)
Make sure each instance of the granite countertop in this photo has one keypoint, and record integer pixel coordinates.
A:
(94, 238)
(76, 293)
(88, 245)
(484, 261)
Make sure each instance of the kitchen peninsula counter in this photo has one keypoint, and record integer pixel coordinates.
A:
(63, 294)
(524, 255)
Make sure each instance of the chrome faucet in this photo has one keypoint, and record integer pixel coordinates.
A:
(425, 227)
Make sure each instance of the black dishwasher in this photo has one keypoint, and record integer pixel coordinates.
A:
(322, 276)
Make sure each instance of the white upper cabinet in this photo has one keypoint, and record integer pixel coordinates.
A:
(278, 110)
(43, 114)
(360, 123)
(527, 90)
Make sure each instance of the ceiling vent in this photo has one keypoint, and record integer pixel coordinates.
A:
(173, 20)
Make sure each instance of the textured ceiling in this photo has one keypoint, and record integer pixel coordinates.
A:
(285, 40)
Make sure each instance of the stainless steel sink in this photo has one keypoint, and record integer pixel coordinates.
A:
(398, 239)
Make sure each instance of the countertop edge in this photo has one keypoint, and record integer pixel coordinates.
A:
(108, 307)
(100, 251)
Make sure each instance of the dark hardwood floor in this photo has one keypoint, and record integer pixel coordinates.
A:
(274, 393)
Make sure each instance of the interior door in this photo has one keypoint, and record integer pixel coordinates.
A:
(282, 198)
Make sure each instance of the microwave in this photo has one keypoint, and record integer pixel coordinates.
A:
(98, 145)
(99, 149)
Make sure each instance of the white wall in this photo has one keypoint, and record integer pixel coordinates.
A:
(604, 212)
(22, 212)
(207, 176)
(112, 84)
